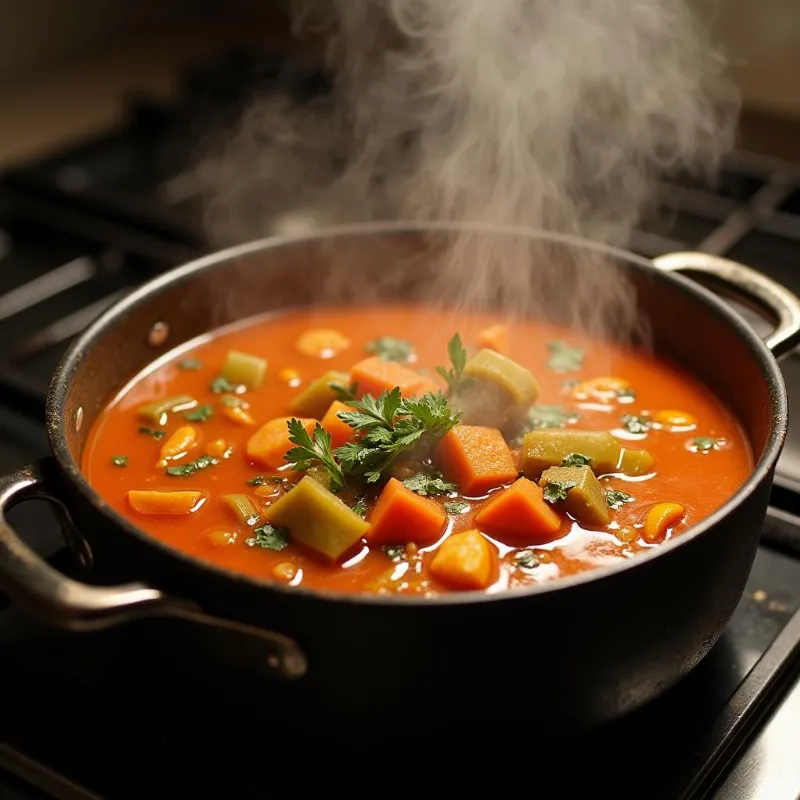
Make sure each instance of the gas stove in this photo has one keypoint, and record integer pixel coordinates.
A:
(81, 228)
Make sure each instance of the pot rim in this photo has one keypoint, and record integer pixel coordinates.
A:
(60, 387)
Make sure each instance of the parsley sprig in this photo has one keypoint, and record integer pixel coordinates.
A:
(313, 449)
(458, 358)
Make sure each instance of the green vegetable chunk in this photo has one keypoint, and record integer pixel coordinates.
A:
(636, 462)
(550, 448)
(495, 390)
(242, 508)
(318, 519)
(581, 492)
(243, 369)
(317, 397)
(158, 411)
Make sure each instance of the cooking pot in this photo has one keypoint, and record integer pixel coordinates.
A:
(584, 650)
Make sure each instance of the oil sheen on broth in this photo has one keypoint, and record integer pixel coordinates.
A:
(515, 492)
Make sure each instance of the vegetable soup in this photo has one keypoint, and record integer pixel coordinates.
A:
(406, 449)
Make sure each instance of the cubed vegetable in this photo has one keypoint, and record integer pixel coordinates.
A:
(339, 430)
(242, 508)
(465, 561)
(318, 519)
(375, 375)
(269, 444)
(497, 391)
(244, 369)
(317, 397)
(495, 338)
(636, 462)
(401, 516)
(579, 491)
(238, 415)
(151, 501)
(476, 459)
(178, 444)
(548, 448)
(322, 343)
(158, 411)
(519, 516)
(660, 519)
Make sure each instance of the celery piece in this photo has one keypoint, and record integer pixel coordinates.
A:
(242, 507)
(243, 369)
(579, 490)
(157, 411)
(317, 397)
(550, 447)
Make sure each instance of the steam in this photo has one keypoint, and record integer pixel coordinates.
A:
(557, 115)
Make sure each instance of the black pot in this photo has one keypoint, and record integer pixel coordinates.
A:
(582, 651)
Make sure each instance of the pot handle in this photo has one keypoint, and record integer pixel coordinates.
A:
(775, 300)
(66, 603)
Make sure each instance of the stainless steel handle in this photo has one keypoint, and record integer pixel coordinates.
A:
(773, 299)
(61, 601)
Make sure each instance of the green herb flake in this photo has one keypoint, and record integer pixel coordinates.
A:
(190, 364)
(526, 559)
(360, 507)
(705, 444)
(428, 485)
(395, 552)
(269, 538)
(344, 394)
(616, 499)
(120, 461)
(576, 460)
(220, 386)
(200, 414)
(184, 470)
(259, 480)
(156, 434)
(554, 491)
(457, 507)
(564, 357)
(390, 349)
(635, 424)
(546, 416)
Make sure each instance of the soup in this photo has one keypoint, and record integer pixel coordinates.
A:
(400, 449)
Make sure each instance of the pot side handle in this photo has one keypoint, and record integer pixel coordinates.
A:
(774, 300)
(44, 592)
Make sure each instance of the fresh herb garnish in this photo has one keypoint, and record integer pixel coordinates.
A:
(636, 424)
(458, 358)
(576, 460)
(428, 485)
(705, 444)
(220, 385)
(395, 552)
(344, 393)
(199, 414)
(616, 498)
(391, 349)
(526, 559)
(269, 538)
(550, 417)
(259, 480)
(156, 434)
(314, 449)
(557, 490)
(456, 507)
(564, 357)
(360, 507)
(120, 461)
(390, 425)
(182, 470)
(190, 364)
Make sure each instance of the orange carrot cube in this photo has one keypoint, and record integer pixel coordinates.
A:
(269, 444)
(400, 516)
(519, 516)
(339, 430)
(465, 561)
(495, 338)
(477, 459)
(375, 375)
(152, 501)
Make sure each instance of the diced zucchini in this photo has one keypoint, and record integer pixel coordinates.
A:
(243, 508)
(157, 411)
(317, 397)
(318, 519)
(496, 391)
(636, 462)
(585, 499)
(548, 448)
(242, 369)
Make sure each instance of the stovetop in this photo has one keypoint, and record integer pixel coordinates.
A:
(80, 229)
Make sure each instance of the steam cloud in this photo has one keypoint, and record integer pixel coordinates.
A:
(551, 114)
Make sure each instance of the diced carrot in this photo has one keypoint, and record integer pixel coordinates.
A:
(465, 561)
(400, 516)
(519, 516)
(322, 342)
(475, 458)
(238, 415)
(340, 431)
(268, 445)
(660, 518)
(151, 501)
(219, 448)
(375, 375)
(495, 338)
(178, 444)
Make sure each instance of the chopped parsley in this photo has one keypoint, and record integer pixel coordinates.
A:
(183, 470)
(395, 552)
(526, 559)
(576, 460)
(457, 507)
(199, 414)
(557, 490)
(220, 385)
(259, 480)
(344, 394)
(120, 461)
(705, 444)
(616, 499)
(313, 449)
(429, 485)
(564, 357)
(391, 349)
(269, 538)
(360, 507)
(545, 416)
(635, 424)
(458, 358)
(190, 364)
(156, 434)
